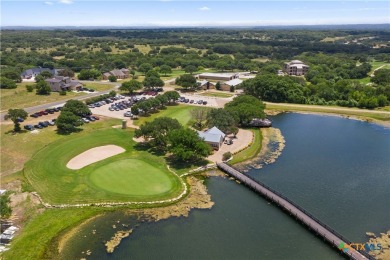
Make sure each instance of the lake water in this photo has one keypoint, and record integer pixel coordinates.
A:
(337, 169)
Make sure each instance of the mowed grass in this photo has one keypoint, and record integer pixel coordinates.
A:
(49, 176)
(252, 150)
(131, 177)
(217, 94)
(180, 112)
(20, 98)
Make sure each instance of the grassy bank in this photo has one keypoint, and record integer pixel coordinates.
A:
(217, 94)
(363, 114)
(37, 235)
(251, 151)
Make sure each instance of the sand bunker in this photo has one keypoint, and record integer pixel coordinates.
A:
(94, 155)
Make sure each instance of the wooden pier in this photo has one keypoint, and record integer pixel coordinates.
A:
(298, 212)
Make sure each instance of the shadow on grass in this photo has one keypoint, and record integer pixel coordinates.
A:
(76, 130)
(143, 146)
(181, 165)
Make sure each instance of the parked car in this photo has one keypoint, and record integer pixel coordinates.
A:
(85, 120)
(35, 115)
(51, 122)
(204, 102)
(43, 124)
(91, 90)
(191, 101)
(29, 127)
(128, 114)
(200, 102)
(20, 120)
(91, 106)
(38, 126)
(47, 123)
(186, 100)
(91, 118)
(96, 117)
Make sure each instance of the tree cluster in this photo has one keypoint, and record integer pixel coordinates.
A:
(70, 117)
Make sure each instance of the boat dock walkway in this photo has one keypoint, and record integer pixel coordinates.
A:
(298, 212)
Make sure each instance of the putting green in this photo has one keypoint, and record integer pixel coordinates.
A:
(131, 177)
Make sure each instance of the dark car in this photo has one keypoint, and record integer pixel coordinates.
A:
(191, 101)
(29, 127)
(38, 126)
(56, 109)
(186, 100)
(204, 102)
(96, 117)
(91, 90)
(20, 120)
(43, 124)
(35, 115)
(47, 123)
(91, 118)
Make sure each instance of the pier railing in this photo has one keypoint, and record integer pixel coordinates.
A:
(228, 169)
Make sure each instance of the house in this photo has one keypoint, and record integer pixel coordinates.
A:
(204, 84)
(60, 83)
(231, 83)
(28, 74)
(119, 74)
(296, 68)
(214, 137)
(218, 76)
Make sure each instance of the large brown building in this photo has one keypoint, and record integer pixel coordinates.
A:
(60, 83)
(218, 76)
(296, 68)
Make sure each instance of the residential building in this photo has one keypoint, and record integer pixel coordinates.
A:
(28, 74)
(119, 74)
(296, 68)
(60, 83)
(218, 76)
(225, 86)
(214, 137)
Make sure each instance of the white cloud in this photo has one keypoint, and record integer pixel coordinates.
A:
(48, 3)
(67, 2)
(204, 9)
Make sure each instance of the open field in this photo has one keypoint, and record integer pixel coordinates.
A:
(217, 94)
(20, 98)
(251, 151)
(360, 113)
(332, 39)
(179, 112)
(49, 176)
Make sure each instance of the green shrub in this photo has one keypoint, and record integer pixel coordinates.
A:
(63, 93)
(226, 156)
(29, 88)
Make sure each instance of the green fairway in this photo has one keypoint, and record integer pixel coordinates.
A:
(217, 94)
(49, 176)
(179, 112)
(126, 177)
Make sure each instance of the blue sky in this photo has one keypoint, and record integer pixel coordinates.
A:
(190, 13)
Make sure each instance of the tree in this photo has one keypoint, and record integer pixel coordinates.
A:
(165, 69)
(66, 73)
(5, 208)
(11, 74)
(244, 108)
(218, 86)
(112, 78)
(145, 67)
(131, 86)
(162, 99)
(152, 80)
(187, 81)
(172, 96)
(185, 145)
(156, 131)
(222, 119)
(76, 107)
(199, 115)
(89, 74)
(15, 115)
(68, 122)
(46, 74)
(42, 88)
(29, 88)
(7, 83)
(190, 69)
(381, 77)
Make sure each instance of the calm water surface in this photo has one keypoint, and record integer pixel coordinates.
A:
(337, 169)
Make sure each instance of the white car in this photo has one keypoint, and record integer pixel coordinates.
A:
(128, 114)
(85, 120)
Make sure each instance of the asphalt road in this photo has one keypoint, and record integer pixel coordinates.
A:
(34, 109)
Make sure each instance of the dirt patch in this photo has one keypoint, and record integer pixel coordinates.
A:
(384, 240)
(198, 198)
(94, 155)
(116, 240)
